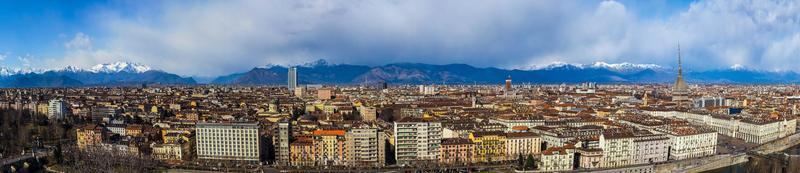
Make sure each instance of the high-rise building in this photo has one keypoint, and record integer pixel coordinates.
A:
(365, 145)
(680, 91)
(57, 109)
(281, 143)
(228, 141)
(292, 76)
(417, 140)
(508, 84)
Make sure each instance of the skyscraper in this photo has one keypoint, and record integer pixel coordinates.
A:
(292, 78)
(680, 91)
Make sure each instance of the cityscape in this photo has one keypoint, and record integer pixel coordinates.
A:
(174, 87)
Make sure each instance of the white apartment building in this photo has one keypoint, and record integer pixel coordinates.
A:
(557, 159)
(743, 127)
(690, 142)
(57, 109)
(630, 148)
(228, 141)
(417, 140)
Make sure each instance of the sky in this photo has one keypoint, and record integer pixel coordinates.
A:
(210, 38)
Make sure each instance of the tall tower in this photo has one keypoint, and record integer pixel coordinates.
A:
(680, 91)
(292, 79)
(508, 83)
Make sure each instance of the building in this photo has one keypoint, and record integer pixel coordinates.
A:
(90, 135)
(330, 147)
(366, 145)
(292, 77)
(748, 127)
(522, 143)
(304, 153)
(690, 142)
(508, 84)
(456, 151)
(489, 146)
(228, 141)
(281, 143)
(622, 148)
(417, 140)
(368, 113)
(57, 109)
(680, 91)
(557, 159)
(324, 94)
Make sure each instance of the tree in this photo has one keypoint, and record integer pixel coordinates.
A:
(530, 163)
(520, 160)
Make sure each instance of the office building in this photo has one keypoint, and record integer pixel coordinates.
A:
(292, 77)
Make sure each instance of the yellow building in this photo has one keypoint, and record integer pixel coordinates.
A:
(303, 152)
(330, 147)
(90, 135)
(489, 146)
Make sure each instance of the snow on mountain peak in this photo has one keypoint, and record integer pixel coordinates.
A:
(738, 67)
(119, 67)
(625, 66)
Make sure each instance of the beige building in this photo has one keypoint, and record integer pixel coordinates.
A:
(557, 159)
(365, 145)
(522, 143)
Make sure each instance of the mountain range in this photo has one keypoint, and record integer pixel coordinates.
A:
(322, 72)
(111, 74)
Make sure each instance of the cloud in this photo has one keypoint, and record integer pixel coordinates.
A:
(80, 41)
(3, 56)
(219, 37)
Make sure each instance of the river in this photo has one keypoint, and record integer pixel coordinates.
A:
(786, 161)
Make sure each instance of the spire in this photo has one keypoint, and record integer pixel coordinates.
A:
(680, 67)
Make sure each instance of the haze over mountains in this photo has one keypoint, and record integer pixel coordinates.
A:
(322, 72)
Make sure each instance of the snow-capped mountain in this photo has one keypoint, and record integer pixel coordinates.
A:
(619, 67)
(625, 66)
(119, 67)
(117, 73)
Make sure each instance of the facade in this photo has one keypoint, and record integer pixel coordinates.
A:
(690, 142)
(489, 146)
(417, 140)
(57, 109)
(522, 143)
(304, 152)
(746, 127)
(631, 148)
(366, 146)
(292, 77)
(557, 159)
(368, 113)
(281, 143)
(90, 135)
(330, 147)
(228, 141)
(456, 151)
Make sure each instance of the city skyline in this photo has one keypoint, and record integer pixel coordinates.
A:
(167, 35)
